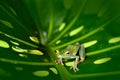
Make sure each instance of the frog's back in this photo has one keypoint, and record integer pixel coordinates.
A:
(73, 49)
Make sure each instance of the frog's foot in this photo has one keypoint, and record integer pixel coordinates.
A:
(81, 60)
(74, 67)
(59, 61)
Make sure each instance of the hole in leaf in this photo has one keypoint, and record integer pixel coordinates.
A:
(19, 68)
(15, 43)
(36, 52)
(62, 26)
(23, 55)
(4, 44)
(90, 43)
(54, 70)
(69, 63)
(101, 61)
(76, 31)
(17, 49)
(114, 40)
(6, 23)
(41, 73)
(58, 42)
(34, 39)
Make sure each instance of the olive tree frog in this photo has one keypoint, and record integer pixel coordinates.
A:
(75, 52)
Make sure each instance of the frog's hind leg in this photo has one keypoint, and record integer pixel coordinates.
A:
(82, 54)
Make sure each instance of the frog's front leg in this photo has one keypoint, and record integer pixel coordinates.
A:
(59, 60)
(74, 67)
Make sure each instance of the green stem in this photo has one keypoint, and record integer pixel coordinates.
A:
(51, 20)
(95, 74)
(69, 25)
(25, 62)
(65, 75)
(102, 50)
(19, 40)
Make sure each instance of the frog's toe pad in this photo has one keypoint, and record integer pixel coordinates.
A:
(58, 62)
(74, 68)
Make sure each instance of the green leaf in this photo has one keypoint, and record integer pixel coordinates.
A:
(31, 31)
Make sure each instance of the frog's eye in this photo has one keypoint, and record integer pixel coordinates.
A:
(67, 52)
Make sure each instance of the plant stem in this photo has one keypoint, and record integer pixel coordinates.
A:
(95, 74)
(102, 50)
(25, 62)
(51, 20)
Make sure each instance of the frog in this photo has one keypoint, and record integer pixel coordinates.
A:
(74, 52)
